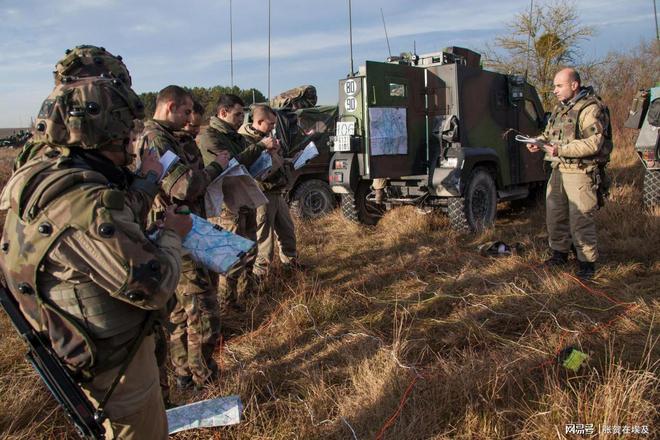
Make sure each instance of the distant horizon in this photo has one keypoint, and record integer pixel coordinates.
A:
(192, 49)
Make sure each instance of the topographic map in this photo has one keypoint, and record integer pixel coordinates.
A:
(222, 411)
(216, 249)
(387, 131)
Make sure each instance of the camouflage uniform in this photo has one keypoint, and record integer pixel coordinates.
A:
(581, 128)
(76, 259)
(195, 317)
(274, 217)
(216, 137)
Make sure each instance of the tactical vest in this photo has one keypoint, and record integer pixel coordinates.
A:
(188, 155)
(89, 330)
(564, 127)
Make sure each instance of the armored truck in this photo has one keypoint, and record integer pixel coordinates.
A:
(437, 129)
(645, 116)
(308, 192)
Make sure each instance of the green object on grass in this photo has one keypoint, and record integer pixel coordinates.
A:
(575, 360)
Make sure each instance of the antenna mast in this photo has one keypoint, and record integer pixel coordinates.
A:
(389, 51)
(529, 36)
(655, 13)
(350, 33)
(268, 49)
(231, 46)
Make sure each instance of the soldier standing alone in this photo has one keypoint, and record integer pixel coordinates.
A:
(579, 142)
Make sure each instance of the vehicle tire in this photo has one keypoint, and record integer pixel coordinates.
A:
(356, 208)
(651, 189)
(476, 210)
(312, 198)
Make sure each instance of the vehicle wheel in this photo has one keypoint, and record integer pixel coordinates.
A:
(476, 210)
(355, 207)
(651, 188)
(312, 199)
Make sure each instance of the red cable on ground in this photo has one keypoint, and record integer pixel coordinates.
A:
(628, 307)
(390, 421)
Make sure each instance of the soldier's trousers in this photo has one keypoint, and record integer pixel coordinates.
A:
(379, 183)
(135, 409)
(571, 202)
(196, 324)
(243, 223)
(274, 223)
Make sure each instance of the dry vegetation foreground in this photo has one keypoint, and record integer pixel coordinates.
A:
(403, 331)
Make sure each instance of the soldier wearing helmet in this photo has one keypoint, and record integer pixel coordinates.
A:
(76, 259)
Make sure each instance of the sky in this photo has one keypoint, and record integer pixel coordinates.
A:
(188, 42)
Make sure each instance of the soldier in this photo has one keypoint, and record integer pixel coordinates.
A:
(222, 135)
(76, 259)
(579, 142)
(195, 123)
(195, 317)
(273, 218)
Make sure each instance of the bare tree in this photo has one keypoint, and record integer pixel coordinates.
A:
(538, 42)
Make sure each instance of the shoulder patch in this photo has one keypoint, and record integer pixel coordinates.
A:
(113, 199)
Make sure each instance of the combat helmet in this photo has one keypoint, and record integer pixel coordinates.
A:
(86, 60)
(89, 113)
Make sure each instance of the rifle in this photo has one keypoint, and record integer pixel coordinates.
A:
(79, 410)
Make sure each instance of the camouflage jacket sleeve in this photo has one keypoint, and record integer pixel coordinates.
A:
(140, 196)
(182, 182)
(211, 143)
(116, 255)
(592, 126)
(248, 156)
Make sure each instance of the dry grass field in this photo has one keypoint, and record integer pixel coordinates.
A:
(403, 331)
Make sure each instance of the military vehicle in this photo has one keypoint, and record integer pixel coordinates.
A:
(299, 122)
(645, 115)
(434, 126)
(16, 139)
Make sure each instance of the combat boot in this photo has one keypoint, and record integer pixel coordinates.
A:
(184, 382)
(557, 259)
(586, 270)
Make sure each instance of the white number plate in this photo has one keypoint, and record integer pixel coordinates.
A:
(343, 136)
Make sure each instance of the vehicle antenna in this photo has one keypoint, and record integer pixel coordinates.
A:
(350, 33)
(268, 49)
(389, 51)
(231, 46)
(655, 13)
(529, 36)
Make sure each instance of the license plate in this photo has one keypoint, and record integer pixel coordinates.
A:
(343, 135)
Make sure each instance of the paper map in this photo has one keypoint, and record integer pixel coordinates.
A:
(235, 187)
(530, 140)
(168, 160)
(216, 249)
(222, 411)
(387, 131)
(261, 167)
(309, 153)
